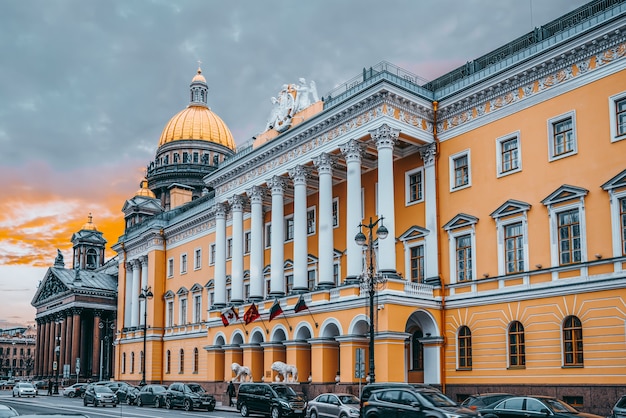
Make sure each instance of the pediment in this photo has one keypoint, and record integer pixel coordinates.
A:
(510, 207)
(50, 287)
(169, 295)
(414, 232)
(197, 287)
(461, 220)
(210, 284)
(182, 291)
(142, 204)
(616, 182)
(288, 264)
(565, 193)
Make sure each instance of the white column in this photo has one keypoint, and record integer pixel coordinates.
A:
(325, 216)
(256, 194)
(220, 255)
(128, 298)
(300, 245)
(277, 258)
(352, 152)
(385, 138)
(144, 283)
(431, 268)
(134, 307)
(236, 283)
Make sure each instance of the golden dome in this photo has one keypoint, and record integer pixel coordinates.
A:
(144, 191)
(199, 77)
(89, 226)
(197, 122)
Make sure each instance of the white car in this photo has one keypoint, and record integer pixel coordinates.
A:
(7, 411)
(24, 389)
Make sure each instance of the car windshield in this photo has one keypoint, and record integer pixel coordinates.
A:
(158, 389)
(102, 389)
(437, 399)
(197, 388)
(560, 406)
(284, 391)
(349, 399)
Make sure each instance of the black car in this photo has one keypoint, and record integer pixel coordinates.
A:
(127, 394)
(99, 395)
(532, 406)
(151, 395)
(369, 388)
(413, 403)
(273, 399)
(619, 410)
(181, 395)
(483, 400)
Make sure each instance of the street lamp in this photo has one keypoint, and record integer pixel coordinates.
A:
(362, 240)
(146, 293)
(57, 353)
(105, 356)
(12, 357)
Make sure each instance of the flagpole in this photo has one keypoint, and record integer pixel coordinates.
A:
(312, 317)
(267, 331)
(287, 321)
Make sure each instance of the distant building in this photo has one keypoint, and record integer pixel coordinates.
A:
(17, 353)
(76, 312)
(503, 190)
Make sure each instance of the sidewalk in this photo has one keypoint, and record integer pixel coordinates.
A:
(220, 407)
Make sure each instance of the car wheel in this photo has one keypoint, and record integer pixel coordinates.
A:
(13, 394)
(71, 395)
(275, 412)
(157, 403)
(187, 405)
(313, 414)
(95, 403)
(210, 408)
(244, 410)
(168, 404)
(84, 402)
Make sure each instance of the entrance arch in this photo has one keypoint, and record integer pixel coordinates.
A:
(423, 348)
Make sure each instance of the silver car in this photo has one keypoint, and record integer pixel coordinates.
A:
(326, 405)
(24, 389)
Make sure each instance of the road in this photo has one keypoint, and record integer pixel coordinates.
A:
(59, 404)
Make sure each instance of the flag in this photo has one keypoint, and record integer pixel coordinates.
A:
(301, 305)
(275, 310)
(251, 314)
(229, 316)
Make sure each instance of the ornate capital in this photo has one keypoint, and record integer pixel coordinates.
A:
(300, 174)
(256, 194)
(324, 163)
(428, 153)
(352, 150)
(385, 136)
(220, 210)
(277, 185)
(143, 260)
(237, 203)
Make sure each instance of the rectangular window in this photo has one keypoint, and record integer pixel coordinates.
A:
(464, 258)
(170, 313)
(310, 222)
(246, 291)
(247, 242)
(562, 131)
(311, 279)
(289, 229)
(514, 248)
(335, 274)
(569, 237)
(620, 118)
(417, 264)
(183, 311)
(211, 254)
(289, 281)
(460, 170)
(195, 158)
(183, 263)
(622, 218)
(510, 155)
(197, 308)
(197, 259)
(229, 248)
(170, 267)
(414, 186)
(336, 212)
(268, 235)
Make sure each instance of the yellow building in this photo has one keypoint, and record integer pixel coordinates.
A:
(502, 188)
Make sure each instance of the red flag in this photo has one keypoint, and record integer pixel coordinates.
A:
(301, 305)
(275, 310)
(251, 314)
(229, 316)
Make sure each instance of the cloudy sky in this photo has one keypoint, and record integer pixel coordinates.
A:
(86, 87)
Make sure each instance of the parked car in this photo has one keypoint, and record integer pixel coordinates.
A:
(152, 395)
(326, 405)
(75, 391)
(619, 410)
(527, 406)
(413, 403)
(99, 395)
(127, 394)
(369, 388)
(180, 395)
(24, 389)
(483, 400)
(273, 399)
(7, 411)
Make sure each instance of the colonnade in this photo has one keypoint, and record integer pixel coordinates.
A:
(136, 279)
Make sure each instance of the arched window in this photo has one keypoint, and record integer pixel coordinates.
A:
(195, 360)
(572, 341)
(517, 347)
(92, 258)
(417, 351)
(181, 366)
(132, 362)
(168, 361)
(123, 362)
(141, 362)
(465, 348)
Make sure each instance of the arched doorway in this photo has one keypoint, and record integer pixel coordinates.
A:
(422, 348)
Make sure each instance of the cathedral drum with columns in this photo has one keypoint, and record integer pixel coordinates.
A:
(396, 236)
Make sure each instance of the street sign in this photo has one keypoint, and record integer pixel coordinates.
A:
(359, 367)
(66, 371)
(54, 366)
(77, 365)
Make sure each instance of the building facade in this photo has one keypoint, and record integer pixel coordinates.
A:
(502, 188)
(17, 353)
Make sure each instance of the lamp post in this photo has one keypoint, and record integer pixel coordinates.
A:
(360, 239)
(57, 353)
(146, 293)
(12, 357)
(105, 326)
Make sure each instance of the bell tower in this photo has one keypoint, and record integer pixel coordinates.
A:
(88, 246)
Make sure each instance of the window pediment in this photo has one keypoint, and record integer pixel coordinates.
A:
(210, 284)
(510, 207)
(565, 193)
(182, 291)
(169, 295)
(460, 221)
(616, 182)
(414, 232)
(196, 288)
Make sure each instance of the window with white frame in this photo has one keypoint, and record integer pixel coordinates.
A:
(336, 212)
(310, 221)
(289, 281)
(617, 205)
(462, 240)
(197, 259)
(229, 248)
(183, 263)
(268, 235)
(183, 311)
(289, 228)
(311, 279)
(622, 220)
(562, 136)
(460, 170)
(617, 112)
(197, 308)
(414, 186)
(416, 255)
(170, 267)
(247, 242)
(169, 319)
(512, 230)
(567, 225)
(414, 242)
(211, 254)
(508, 154)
